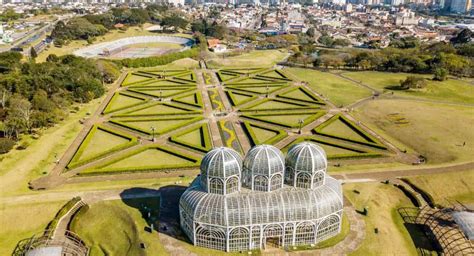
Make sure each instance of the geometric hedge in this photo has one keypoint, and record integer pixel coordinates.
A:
(161, 124)
(301, 94)
(196, 137)
(286, 119)
(146, 158)
(338, 150)
(192, 99)
(100, 141)
(340, 127)
(259, 134)
(122, 100)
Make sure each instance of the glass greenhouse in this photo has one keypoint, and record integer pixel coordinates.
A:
(265, 199)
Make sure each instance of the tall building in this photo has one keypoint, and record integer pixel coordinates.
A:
(265, 199)
(460, 6)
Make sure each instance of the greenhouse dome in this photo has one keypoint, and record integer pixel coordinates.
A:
(221, 170)
(306, 165)
(251, 219)
(263, 170)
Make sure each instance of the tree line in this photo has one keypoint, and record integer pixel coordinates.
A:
(88, 27)
(35, 95)
(403, 55)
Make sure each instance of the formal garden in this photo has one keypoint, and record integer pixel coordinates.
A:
(166, 119)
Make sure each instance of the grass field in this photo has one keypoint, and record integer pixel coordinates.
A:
(436, 131)
(98, 226)
(451, 90)
(446, 188)
(22, 221)
(339, 128)
(252, 59)
(339, 91)
(382, 202)
(18, 167)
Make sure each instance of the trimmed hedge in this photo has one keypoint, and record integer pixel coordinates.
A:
(130, 74)
(158, 60)
(427, 196)
(242, 79)
(371, 141)
(197, 98)
(409, 194)
(315, 99)
(283, 76)
(189, 111)
(73, 163)
(205, 138)
(245, 89)
(144, 90)
(358, 153)
(123, 123)
(63, 211)
(308, 120)
(254, 139)
(234, 101)
(300, 106)
(95, 170)
(114, 98)
(220, 76)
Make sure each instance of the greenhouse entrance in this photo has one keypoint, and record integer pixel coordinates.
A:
(272, 242)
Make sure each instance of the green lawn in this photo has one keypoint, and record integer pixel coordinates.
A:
(161, 125)
(99, 141)
(450, 90)
(339, 128)
(148, 158)
(18, 223)
(448, 187)
(339, 91)
(288, 119)
(382, 202)
(272, 104)
(435, 131)
(116, 228)
(122, 101)
(258, 58)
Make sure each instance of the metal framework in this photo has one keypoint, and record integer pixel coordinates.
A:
(237, 205)
(46, 244)
(447, 232)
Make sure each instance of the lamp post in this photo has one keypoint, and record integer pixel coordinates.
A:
(152, 133)
(300, 122)
(161, 95)
(267, 89)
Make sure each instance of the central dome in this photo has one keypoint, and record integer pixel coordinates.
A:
(264, 166)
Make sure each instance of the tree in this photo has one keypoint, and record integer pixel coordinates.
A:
(19, 114)
(412, 82)
(440, 74)
(311, 32)
(33, 53)
(326, 40)
(464, 36)
(174, 21)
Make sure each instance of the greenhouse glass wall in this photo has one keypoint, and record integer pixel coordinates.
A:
(264, 200)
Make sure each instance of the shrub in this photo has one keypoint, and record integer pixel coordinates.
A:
(440, 74)
(412, 82)
(6, 145)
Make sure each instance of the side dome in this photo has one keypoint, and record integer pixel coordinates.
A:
(220, 171)
(264, 167)
(306, 165)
